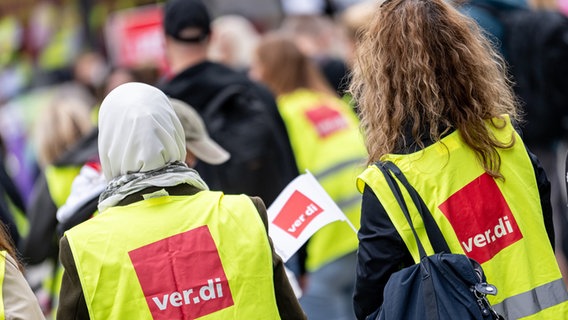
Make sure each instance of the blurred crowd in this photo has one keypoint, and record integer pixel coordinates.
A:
(60, 44)
(60, 58)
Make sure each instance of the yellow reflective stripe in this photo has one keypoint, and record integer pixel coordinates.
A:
(2, 271)
(533, 301)
(343, 204)
(350, 163)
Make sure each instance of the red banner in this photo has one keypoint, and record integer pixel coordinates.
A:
(135, 37)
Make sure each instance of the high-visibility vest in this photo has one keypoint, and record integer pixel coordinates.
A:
(2, 273)
(498, 222)
(326, 140)
(204, 256)
(59, 180)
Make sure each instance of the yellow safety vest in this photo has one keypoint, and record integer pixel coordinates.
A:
(59, 181)
(205, 256)
(498, 222)
(2, 272)
(326, 140)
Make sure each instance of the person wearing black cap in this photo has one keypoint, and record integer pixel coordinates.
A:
(239, 114)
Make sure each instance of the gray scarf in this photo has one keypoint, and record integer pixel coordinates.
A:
(171, 175)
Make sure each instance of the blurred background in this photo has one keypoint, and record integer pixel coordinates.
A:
(54, 48)
(59, 58)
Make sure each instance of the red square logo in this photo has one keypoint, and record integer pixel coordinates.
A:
(296, 214)
(481, 218)
(182, 276)
(326, 120)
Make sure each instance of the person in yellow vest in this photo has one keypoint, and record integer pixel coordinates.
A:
(163, 246)
(17, 300)
(434, 100)
(326, 140)
(86, 188)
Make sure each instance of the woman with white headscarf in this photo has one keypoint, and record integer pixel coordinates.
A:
(163, 245)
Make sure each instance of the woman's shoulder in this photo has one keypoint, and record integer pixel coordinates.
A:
(18, 299)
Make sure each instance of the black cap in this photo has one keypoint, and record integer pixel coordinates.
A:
(183, 14)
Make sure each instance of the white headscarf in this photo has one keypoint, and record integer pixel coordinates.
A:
(141, 144)
(138, 131)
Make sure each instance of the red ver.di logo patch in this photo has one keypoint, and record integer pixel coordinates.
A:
(326, 120)
(182, 276)
(297, 214)
(481, 218)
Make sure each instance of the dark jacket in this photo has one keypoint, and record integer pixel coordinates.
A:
(72, 304)
(248, 125)
(491, 26)
(382, 251)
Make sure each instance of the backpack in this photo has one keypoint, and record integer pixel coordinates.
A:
(441, 286)
(240, 121)
(535, 46)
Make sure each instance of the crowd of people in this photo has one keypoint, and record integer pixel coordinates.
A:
(150, 189)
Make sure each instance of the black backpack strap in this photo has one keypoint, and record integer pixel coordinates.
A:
(399, 198)
(219, 100)
(435, 236)
(211, 111)
(431, 305)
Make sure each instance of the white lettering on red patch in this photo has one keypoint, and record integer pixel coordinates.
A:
(481, 219)
(296, 214)
(182, 276)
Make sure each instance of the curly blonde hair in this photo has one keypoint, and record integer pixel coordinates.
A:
(423, 67)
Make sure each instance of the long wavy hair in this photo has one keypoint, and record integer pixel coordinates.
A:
(285, 68)
(423, 67)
